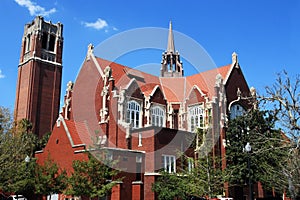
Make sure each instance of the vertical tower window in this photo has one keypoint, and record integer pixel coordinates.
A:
(133, 114)
(48, 41)
(27, 43)
(157, 116)
(44, 40)
(51, 43)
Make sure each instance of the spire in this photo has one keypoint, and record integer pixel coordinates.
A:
(171, 66)
(171, 46)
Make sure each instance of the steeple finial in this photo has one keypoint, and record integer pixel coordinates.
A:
(171, 46)
(234, 58)
(171, 66)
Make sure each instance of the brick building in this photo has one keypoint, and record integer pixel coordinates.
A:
(141, 119)
(39, 75)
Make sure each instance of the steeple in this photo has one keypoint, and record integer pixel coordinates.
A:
(171, 66)
(171, 46)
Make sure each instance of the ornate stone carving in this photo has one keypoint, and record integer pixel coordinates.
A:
(90, 51)
(68, 97)
(105, 95)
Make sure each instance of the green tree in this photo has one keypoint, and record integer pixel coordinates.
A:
(91, 178)
(206, 179)
(207, 175)
(15, 174)
(170, 186)
(266, 157)
(50, 179)
(201, 177)
(5, 120)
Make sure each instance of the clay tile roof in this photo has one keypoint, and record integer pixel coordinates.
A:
(123, 75)
(174, 89)
(206, 80)
(148, 88)
(78, 131)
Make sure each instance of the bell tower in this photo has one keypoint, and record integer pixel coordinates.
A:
(171, 66)
(39, 75)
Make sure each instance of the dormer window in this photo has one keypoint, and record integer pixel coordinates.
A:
(133, 113)
(157, 116)
(196, 118)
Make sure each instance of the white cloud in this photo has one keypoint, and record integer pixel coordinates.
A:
(1, 75)
(35, 9)
(98, 25)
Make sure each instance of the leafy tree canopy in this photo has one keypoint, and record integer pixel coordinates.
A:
(267, 154)
(91, 178)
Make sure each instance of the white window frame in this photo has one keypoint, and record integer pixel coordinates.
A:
(157, 116)
(169, 163)
(190, 164)
(140, 139)
(196, 117)
(133, 113)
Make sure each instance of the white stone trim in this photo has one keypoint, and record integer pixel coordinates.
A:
(97, 64)
(68, 132)
(152, 174)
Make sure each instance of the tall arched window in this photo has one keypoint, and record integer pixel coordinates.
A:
(196, 117)
(27, 43)
(157, 116)
(133, 113)
(236, 110)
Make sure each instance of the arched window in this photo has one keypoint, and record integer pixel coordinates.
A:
(157, 116)
(28, 43)
(236, 110)
(196, 118)
(133, 113)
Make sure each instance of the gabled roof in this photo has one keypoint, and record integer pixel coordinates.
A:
(175, 89)
(206, 80)
(76, 132)
(123, 76)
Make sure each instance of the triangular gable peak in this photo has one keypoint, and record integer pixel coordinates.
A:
(195, 95)
(90, 56)
(71, 132)
(133, 89)
(236, 85)
(157, 95)
(62, 121)
(234, 64)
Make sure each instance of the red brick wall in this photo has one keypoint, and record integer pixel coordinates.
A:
(137, 191)
(237, 80)
(148, 193)
(38, 88)
(38, 95)
(60, 150)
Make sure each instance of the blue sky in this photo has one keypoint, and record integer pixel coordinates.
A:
(265, 34)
